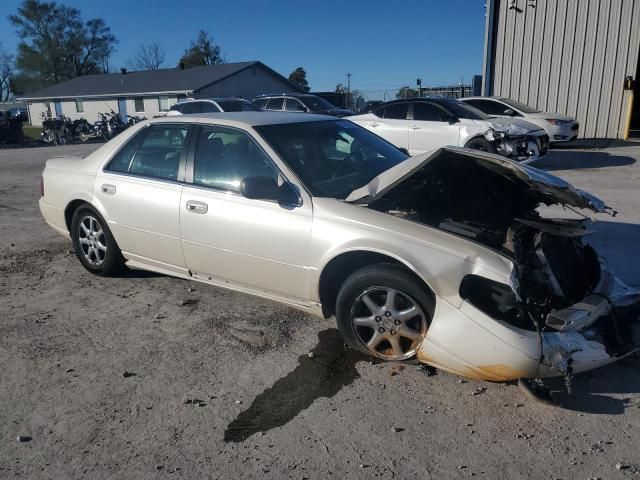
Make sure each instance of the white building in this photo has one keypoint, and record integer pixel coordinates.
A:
(150, 93)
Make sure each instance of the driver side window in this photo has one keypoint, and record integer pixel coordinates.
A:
(224, 157)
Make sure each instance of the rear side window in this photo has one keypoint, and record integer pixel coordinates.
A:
(192, 107)
(275, 104)
(208, 107)
(397, 111)
(260, 103)
(294, 105)
(428, 112)
(224, 157)
(155, 152)
(488, 106)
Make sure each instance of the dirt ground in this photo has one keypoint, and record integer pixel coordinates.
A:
(147, 376)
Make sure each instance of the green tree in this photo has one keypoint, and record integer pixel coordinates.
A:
(202, 51)
(299, 77)
(57, 45)
(407, 92)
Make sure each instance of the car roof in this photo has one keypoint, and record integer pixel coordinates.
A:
(267, 95)
(247, 119)
(484, 98)
(213, 99)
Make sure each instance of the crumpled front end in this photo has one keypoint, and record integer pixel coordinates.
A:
(561, 312)
(518, 144)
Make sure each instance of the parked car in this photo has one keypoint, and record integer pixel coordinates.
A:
(299, 102)
(212, 105)
(560, 128)
(370, 105)
(442, 256)
(18, 113)
(423, 124)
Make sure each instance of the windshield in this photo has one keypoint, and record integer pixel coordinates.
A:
(237, 106)
(519, 106)
(332, 158)
(462, 110)
(315, 103)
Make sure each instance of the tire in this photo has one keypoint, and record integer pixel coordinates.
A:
(94, 244)
(481, 144)
(377, 322)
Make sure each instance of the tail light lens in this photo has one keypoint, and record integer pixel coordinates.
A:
(41, 186)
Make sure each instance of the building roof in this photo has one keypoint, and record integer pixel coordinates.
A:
(171, 80)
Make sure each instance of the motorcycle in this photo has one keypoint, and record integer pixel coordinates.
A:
(56, 131)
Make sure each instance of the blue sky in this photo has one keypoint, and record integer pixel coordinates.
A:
(384, 44)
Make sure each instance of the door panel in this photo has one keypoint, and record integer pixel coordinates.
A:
(143, 216)
(140, 195)
(393, 131)
(430, 128)
(256, 244)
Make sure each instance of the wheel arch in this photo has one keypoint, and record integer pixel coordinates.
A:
(339, 267)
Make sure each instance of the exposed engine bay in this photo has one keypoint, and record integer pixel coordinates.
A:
(559, 284)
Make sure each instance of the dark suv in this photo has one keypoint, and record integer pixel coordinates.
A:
(208, 105)
(299, 102)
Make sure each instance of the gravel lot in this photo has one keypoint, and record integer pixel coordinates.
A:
(148, 376)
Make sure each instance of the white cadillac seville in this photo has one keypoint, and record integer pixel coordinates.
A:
(442, 256)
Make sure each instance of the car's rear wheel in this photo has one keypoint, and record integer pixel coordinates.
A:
(94, 244)
(382, 310)
(480, 144)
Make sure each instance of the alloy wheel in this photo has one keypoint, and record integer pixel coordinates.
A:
(389, 323)
(91, 240)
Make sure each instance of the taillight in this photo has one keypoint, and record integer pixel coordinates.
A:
(41, 186)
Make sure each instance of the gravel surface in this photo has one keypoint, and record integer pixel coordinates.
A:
(141, 377)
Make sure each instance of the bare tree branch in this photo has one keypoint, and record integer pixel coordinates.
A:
(148, 57)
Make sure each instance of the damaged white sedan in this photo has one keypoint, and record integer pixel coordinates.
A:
(443, 256)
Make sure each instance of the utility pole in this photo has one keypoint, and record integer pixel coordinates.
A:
(419, 84)
(348, 90)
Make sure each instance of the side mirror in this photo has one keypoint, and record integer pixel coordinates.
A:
(509, 112)
(405, 151)
(450, 119)
(266, 188)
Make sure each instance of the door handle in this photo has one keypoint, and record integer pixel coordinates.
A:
(415, 127)
(197, 207)
(374, 124)
(108, 189)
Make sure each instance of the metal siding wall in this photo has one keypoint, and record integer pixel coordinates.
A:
(569, 56)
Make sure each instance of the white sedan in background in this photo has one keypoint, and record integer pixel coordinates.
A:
(442, 256)
(419, 125)
(560, 128)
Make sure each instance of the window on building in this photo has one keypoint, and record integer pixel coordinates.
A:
(79, 106)
(138, 104)
(163, 103)
(223, 158)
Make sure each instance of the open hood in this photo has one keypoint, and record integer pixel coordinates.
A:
(549, 188)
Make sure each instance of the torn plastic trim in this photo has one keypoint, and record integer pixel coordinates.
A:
(609, 294)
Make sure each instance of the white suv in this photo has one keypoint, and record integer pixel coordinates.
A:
(212, 105)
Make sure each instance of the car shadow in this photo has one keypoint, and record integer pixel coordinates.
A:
(604, 391)
(329, 367)
(581, 159)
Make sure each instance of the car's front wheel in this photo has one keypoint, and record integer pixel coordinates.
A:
(94, 244)
(382, 310)
(480, 144)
